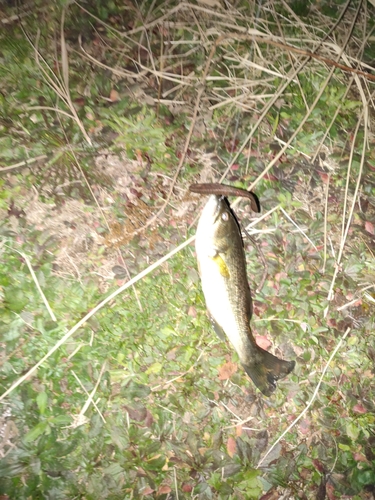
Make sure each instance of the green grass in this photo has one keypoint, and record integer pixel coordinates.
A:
(166, 420)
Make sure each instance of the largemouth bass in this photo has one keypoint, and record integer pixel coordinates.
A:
(222, 268)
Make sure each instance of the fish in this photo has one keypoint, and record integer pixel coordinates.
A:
(222, 268)
(224, 189)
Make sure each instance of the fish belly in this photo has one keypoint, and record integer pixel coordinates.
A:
(219, 306)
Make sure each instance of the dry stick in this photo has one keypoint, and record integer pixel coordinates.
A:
(23, 163)
(101, 212)
(281, 152)
(287, 144)
(338, 109)
(325, 226)
(360, 51)
(297, 50)
(303, 413)
(175, 482)
(156, 387)
(187, 142)
(289, 55)
(350, 215)
(350, 164)
(297, 226)
(60, 88)
(51, 313)
(65, 78)
(92, 312)
(126, 285)
(266, 108)
(80, 417)
(343, 241)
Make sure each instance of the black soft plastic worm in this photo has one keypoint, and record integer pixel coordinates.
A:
(224, 190)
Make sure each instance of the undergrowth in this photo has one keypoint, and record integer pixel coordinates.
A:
(98, 144)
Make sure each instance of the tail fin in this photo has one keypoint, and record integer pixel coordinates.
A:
(266, 369)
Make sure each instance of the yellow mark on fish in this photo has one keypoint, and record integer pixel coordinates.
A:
(223, 268)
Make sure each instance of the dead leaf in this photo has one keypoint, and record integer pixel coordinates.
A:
(231, 446)
(147, 491)
(330, 490)
(192, 312)
(304, 426)
(262, 341)
(187, 488)
(271, 495)
(238, 430)
(324, 177)
(359, 457)
(369, 226)
(227, 370)
(359, 408)
(163, 489)
(318, 465)
(114, 96)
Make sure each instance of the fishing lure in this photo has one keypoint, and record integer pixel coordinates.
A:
(225, 190)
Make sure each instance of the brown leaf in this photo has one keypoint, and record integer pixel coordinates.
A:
(227, 370)
(324, 177)
(192, 312)
(163, 489)
(358, 408)
(147, 491)
(238, 430)
(138, 414)
(304, 426)
(149, 419)
(359, 457)
(114, 96)
(187, 488)
(330, 490)
(318, 465)
(231, 446)
(271, 495)
(263, 341)
(369, 226)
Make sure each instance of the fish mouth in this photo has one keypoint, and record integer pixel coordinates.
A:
(214, 206)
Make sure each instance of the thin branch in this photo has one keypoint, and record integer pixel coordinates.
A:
(306, 409)
(93, 311)
(51, 313)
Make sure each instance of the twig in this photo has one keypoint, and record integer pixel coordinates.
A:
(297, 226)
(365, 114)
(23, 163)
(175, 482)
(186, 372)
(92, 312)
(26, 259)
(303, 413)
(201, 89)
(80, 419)
(325, 225)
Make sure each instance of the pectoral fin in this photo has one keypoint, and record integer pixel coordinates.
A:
(223, 268)
(219, 331)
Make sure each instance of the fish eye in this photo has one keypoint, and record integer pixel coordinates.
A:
(224, 216)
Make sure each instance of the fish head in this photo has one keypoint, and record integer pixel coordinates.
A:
(218, 227)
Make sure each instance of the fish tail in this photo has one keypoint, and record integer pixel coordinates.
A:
(265, 369)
